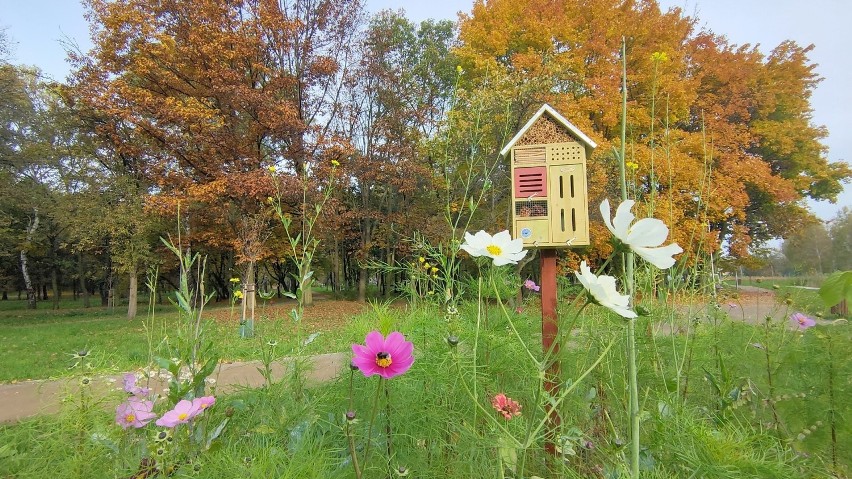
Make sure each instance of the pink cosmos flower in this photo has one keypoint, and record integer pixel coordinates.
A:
(506, 406)
(386, 357)
(134, 412)
(131, 387)
(200, 404)
(530, 285)
(183, 412)
(802, 321)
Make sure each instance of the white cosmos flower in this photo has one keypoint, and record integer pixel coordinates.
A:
(643, 237)
(603, 291)
(501, 247)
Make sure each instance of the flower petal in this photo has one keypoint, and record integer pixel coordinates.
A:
(647, 232)
(502, 239)
(607, 215)
(402, 350)
(622, 220)
(375, 343)
(659, 257)
(400, 367)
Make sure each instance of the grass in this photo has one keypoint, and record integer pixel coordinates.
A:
(690, 429)
(39, 344)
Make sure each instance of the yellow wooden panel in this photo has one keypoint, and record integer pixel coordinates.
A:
(533, 232)
(569, 215)
(562, 153)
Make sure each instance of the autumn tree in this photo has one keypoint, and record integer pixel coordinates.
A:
(396, 97)
(213, 93)
(721, 135)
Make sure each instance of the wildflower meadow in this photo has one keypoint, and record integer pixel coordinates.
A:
(538, 242)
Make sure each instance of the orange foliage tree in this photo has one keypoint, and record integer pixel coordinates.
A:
(721, 136)
(215, 93)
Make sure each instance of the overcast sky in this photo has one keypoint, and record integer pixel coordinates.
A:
(41, 27)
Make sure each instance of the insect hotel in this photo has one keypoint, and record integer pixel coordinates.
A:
(549, 194)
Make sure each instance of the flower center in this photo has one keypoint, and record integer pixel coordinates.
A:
(129, 418)
(383, 360)
(182, 416)
(494, 250)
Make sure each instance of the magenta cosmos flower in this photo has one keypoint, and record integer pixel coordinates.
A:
(386, 357)
(506, 406)
(134, 412)
(131, 387)
(802, 321)
(183, 412)
(201, 404)
(530, 285)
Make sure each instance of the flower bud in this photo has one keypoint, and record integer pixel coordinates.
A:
(350, 416)
(642, 310)
(229, 411)
(353, 366)
(453, 340)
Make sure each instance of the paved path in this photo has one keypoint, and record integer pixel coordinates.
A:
(30, 398)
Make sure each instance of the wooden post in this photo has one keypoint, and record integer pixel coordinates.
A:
(549, 344)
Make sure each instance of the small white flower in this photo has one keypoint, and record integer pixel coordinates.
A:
(643, 237)
(500, 247)
(603, 291)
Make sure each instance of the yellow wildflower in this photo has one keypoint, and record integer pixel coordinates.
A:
(421, 259)
(434, 270)
(238, 294)
(335, 163)
(235, 280)
(271, 169)
(659, 57)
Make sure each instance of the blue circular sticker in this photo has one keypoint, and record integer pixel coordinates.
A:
(526, 233)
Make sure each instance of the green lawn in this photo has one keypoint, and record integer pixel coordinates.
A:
(40, 344)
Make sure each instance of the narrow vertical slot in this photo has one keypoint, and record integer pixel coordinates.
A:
(573, 220)
(562, 217)
(560, 187)
(572, 186)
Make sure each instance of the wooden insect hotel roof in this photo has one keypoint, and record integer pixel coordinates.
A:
(548, 126)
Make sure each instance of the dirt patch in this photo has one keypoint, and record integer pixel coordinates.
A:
(325, 315)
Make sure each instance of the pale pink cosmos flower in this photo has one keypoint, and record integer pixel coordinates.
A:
(506, 406)
(386, 357)
(131, 387)
(183, 412)
(530, 285)
(802, 321)
(202, 403)
(134, 412)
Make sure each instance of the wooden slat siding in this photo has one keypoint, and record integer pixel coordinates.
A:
(530, 156)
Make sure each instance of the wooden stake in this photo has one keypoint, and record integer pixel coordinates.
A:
(549, 331)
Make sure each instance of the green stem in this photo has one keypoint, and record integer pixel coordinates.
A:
(628, 266)
(372, 420)
(387, 421)
(352, 451)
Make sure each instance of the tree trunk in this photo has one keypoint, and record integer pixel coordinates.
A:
(387, 277)
(366, 239)
(81, 270)
(132, 294)
(362, 284)
(31, 292)
(54, 284)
